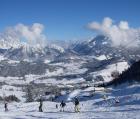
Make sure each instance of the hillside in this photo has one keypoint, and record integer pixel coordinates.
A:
(130, 75)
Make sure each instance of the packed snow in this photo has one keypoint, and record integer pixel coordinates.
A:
(94, 108)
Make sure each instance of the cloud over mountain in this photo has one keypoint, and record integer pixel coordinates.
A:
(23, 34)
(120, 34)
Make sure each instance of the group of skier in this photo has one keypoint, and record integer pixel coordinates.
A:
(76, 103)
(62, 105)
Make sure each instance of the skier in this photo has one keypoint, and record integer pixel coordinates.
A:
(62, 105)
(6, 107)
(56, 106)
(76, 102)
(40, 106)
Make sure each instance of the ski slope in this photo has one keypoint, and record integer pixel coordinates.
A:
(88, 111)
(94, 108)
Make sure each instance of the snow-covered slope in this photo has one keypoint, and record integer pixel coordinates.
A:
(99, 108)
(107, 71)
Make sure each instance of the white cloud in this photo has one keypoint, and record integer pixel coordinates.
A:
(120, 34)
(19, 34)
(124, 25)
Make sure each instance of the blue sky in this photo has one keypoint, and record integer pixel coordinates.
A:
(67, 19)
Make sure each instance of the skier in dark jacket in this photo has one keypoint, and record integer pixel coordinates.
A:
(5, 106)
(62, 105)
(76, 102)
(40, 106)
(56, 106)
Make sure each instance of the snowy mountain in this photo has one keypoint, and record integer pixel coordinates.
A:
(30, 53)
(93, 55)
(101, 46)
(94, 46)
